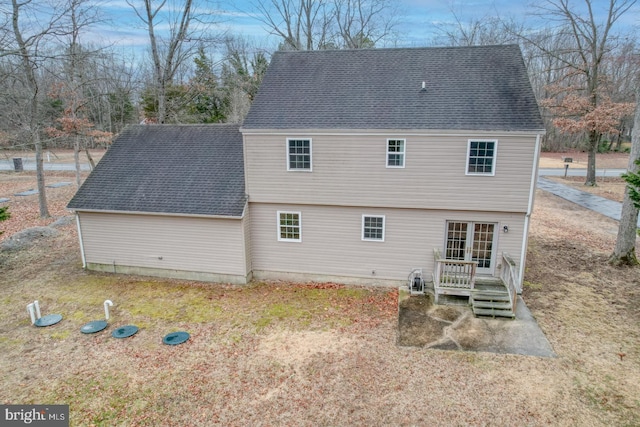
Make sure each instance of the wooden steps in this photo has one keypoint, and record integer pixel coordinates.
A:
(491, 299)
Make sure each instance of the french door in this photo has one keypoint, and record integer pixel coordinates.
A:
(472, 241)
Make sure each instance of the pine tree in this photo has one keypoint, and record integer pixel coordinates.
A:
(633, 183)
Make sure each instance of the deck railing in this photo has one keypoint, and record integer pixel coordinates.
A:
(453, 277)
(508, 276)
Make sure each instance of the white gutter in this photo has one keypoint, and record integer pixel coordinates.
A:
(84, 259)
(527, 218)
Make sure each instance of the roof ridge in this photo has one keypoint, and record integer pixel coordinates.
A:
(382, 49)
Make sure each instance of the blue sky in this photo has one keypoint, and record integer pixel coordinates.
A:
(416, 26)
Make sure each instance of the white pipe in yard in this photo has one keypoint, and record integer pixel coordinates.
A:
(107, 303)
(30, 310)
(37, 306)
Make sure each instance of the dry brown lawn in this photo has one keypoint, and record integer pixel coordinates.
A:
(320, 354)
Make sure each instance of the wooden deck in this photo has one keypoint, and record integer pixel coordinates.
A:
(488, 296)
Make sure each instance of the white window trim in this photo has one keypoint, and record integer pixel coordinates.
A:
(495, 157)
(280, 238)
(384, 228)
(310, 155)
(404, 153)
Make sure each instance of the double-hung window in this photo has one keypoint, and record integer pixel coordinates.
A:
(373, 227)
(289, 226)
(481, 157)
(395, 153)
(298, 154)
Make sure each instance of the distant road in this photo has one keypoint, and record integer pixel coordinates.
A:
(580, 172)
(7, 165)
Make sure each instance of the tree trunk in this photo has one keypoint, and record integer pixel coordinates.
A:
(624, 252)
(76, 158)
(42, 193)
(591, 159)
(162, 104)
(92, 164)
(28, 67)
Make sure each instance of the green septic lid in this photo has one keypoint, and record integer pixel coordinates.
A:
(48, 320)
(175, 338)
(93, 327)
(125, 331)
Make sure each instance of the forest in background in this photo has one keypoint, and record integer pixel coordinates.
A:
(60, 92)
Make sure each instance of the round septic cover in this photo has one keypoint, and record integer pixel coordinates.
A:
(125, 331)
(48, 320)
(93, 327)
(175, 338)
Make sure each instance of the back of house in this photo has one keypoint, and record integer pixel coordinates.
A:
(361, 164)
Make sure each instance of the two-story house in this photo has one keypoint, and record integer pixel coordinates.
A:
(358, 164)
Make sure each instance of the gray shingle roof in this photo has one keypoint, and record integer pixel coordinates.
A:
(176, 169)
(473, 88)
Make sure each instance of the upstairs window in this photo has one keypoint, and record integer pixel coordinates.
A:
(289, 225)
(395, 153)
(481, 157)
(373, 228)
(299, 154)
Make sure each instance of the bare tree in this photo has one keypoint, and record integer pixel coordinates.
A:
(172, 48)
(74, 122)
(477, 31)
(591, 42)
(363, 23)
(243, 68)
(620, 68)
(624, 252)
(29, 38)
(301, 24)
(328, 24)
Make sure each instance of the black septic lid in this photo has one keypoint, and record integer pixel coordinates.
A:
(48, 320)
(175, 338)
(125, 331)
(93, 327)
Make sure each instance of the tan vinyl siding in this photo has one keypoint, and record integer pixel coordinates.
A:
(350, 170)
(213, 245)
(332, 245)
(246, 231)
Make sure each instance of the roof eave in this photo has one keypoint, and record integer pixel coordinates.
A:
(172, 214)
(408, 131)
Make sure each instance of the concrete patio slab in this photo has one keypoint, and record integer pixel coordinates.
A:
(421, 323)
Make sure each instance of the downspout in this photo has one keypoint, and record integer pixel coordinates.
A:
(527, 218)
(84, 259)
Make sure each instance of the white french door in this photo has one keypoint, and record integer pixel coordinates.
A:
(472, 241)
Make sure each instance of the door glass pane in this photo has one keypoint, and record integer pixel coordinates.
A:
(482, 244)
(456, 240)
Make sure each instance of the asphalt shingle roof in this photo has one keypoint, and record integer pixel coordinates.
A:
(175, 169)
(472, 88)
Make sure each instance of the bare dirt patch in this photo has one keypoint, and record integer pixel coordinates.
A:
(320, 354)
